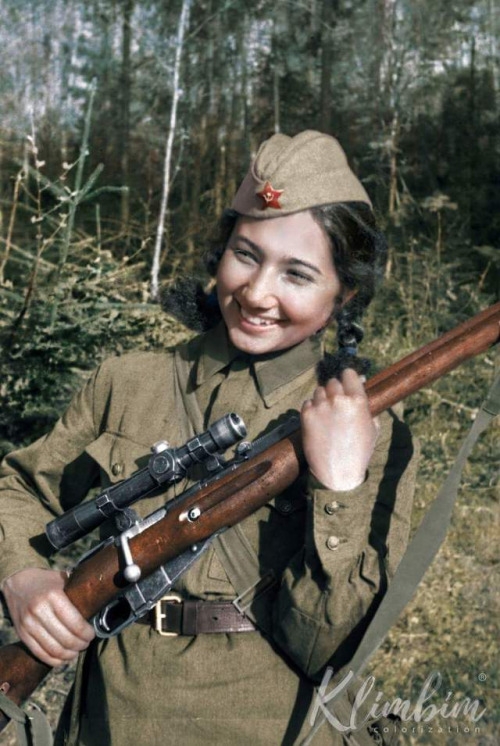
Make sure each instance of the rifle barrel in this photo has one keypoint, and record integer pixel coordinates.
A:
(97, 580)
(427, 364)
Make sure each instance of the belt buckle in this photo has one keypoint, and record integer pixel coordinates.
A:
(159, 615)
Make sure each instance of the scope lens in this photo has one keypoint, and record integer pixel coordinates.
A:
(238, 425)
(227, 431)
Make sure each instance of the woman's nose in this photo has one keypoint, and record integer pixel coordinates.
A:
(260, 290)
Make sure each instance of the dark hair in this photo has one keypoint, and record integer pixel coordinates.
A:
(359, 254)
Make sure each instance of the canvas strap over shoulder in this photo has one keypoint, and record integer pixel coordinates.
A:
(234, 551)
(420, 553)
(33, 728)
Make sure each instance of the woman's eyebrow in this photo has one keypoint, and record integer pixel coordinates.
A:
(291, 260)
(252, 245)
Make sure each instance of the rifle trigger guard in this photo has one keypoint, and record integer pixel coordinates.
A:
(142, 596)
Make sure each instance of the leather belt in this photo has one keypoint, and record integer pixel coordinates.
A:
(173, 616)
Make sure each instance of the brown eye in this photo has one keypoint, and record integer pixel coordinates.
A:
(245, 255)
(299, 277)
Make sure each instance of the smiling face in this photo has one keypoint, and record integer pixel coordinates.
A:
(276, 282)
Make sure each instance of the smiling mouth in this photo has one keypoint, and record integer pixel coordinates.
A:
(257, 321)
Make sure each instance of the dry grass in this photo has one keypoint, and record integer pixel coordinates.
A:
(451, 626)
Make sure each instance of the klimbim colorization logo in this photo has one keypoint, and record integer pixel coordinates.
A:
(428, 706)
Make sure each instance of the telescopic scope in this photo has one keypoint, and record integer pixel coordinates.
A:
(166, 466)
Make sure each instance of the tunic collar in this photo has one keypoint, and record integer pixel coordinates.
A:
(271, 371)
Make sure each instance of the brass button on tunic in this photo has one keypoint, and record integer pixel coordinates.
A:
(332, 507)
(333, 542)
(222, 689)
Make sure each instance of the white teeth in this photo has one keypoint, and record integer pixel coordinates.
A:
(256, 320)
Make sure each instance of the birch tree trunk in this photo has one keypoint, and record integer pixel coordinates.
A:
(393, 164)
(494, 34)
(125, 94)
(277, 73)
(155, 270)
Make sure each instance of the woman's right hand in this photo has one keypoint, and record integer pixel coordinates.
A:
(44, 617)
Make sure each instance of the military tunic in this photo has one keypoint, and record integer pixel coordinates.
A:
(333, 553)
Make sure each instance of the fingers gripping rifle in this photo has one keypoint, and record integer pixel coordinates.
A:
(121, 579)
(166, 465)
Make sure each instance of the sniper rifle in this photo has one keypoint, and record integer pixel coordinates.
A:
(123, 577)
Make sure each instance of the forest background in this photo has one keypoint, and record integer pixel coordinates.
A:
(126, 127)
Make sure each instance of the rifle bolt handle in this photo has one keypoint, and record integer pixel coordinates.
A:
(132, 573)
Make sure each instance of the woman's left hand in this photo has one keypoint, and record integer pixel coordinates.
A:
(338, 432)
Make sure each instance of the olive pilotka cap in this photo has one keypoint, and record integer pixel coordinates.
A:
(290, 174)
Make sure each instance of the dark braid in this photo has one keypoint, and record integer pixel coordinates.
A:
(186, 299)
(349, 335)
(359, 254)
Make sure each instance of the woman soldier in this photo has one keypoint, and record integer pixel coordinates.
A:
(301, 251)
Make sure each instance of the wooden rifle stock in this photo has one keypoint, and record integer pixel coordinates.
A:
(235, 496)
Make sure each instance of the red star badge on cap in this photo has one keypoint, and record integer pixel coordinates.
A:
(270, 197)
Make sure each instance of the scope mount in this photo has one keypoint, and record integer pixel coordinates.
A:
(166, 466)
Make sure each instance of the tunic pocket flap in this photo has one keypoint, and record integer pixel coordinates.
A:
(117, 455)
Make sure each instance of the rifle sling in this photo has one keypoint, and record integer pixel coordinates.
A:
(33, 728)
(234, 551)
(421, 551)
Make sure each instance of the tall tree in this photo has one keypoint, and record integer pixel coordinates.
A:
(125, 91)
(167, 166)
(328, 20)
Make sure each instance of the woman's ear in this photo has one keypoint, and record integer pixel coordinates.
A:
(346, 296)
(341, 300)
